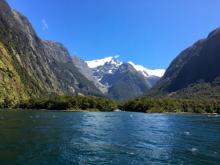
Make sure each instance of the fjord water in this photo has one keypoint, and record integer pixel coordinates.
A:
(41, 137)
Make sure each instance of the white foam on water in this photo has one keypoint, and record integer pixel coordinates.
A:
(187, 133)
(216, 116)
(213, 115)
(194, 150)
(130, 153)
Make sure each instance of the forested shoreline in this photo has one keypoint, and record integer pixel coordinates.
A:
(172, 105)
(143, 104)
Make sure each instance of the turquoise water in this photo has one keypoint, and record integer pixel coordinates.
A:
(37, 137)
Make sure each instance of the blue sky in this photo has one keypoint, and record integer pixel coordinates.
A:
(147, 32)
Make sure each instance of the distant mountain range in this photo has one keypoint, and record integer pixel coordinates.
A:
(114, 77)
(114, 61)
(32, 67)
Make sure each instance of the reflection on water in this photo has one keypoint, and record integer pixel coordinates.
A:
(38, 137)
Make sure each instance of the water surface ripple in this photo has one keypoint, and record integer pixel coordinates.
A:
(37, 137)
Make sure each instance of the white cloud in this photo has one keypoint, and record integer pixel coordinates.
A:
(45, 26)
(117, 56)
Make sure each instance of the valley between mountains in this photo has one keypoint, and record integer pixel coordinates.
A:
(114, 77)
(41, 74)
(32, 67)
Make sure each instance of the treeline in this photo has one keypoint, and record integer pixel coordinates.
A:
(202, 90)
(69, 103)
(143, 104)
(168, 104)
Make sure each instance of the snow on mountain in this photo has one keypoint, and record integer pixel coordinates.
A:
(113, 60)
(148, 72)
(100, 62)
(123, 80)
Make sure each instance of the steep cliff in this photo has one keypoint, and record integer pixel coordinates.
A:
(197, 64)
(31, 67)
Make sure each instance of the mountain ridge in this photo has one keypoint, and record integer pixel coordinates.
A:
(37, 66)
(196, 64)
(114, 59)
(115, 77)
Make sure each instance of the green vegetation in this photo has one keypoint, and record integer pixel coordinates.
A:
(11, 87)
(69, 103)
(168, 104)
(31, 67)
(200, 90)
(144, 104)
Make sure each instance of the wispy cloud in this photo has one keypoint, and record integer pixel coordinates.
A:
(116, 56)
(44, 23)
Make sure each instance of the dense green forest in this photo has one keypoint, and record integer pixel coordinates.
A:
(69, 103)
(143, 104)
(201, 97)
(168, 104)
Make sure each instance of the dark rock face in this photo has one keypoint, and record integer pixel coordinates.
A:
(83, 67)
(116, 80)
(198, 63)
(126, 83)
(87, 72)
(107, 69)
(153, 80)
(120, 80)
(42, 67)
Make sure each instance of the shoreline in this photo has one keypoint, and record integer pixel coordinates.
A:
(96, 110)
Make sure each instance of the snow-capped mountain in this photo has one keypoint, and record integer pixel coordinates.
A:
(116, 79)
(148, 72)
(100, 62)
(123, 80)
(105, 66)
(115, 63)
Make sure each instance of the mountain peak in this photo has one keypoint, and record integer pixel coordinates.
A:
(113, 61)
(100, 62)
(148, 72)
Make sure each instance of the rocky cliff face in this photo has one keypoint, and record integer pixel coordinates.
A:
(126, 83)
(123, 80)
(31, 67)
(88, 73)
(198, 63)
(115, 79)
